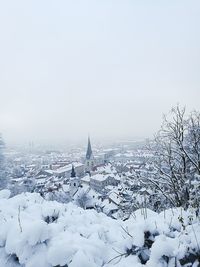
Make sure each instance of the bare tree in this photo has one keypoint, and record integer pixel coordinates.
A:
(176, 161)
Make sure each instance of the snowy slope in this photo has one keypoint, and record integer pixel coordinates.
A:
(39, 233)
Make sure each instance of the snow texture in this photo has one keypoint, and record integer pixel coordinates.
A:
(39, 233)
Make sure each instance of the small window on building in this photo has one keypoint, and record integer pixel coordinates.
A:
(74, 184)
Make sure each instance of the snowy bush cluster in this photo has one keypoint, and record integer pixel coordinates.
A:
(39, 233)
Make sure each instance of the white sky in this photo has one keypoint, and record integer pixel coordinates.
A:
(109, 68)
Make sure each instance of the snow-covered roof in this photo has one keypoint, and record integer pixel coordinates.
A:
(49, 171)
(103, 177)
(108, 207)
(107, 168)
(113, 196)
(85, 179)
(40, 181)
(68, 167)
(99, 177)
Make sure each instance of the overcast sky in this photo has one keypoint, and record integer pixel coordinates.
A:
(109, 68)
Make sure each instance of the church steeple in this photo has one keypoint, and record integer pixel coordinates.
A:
(89, 158)
(73, 173)
(89, 150)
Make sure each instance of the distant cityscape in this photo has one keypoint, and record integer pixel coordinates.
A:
(104, 178)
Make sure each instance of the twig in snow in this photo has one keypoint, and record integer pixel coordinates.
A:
(195, 237)
(126, 231)
(19, 220)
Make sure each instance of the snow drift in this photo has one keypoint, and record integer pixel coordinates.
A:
(39, 233)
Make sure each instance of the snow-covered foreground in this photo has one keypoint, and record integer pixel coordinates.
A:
(39, 233)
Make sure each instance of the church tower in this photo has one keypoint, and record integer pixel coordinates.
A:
(73, 182)
(89, 158)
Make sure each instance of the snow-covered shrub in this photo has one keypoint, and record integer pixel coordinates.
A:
(35, 232)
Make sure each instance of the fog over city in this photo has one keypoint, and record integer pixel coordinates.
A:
(99, 133)
(105, 68)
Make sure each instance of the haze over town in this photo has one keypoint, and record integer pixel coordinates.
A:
(70, 68)
(91, 172)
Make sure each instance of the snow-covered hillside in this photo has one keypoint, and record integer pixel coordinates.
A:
(39, 233)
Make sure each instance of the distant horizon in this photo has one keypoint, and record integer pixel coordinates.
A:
(73, 144)
(55, 142)
(108, 68)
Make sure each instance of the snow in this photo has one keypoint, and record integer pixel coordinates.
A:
(5, 193)
(99, 177)
(68, 167)
(114, 197)
(35, 232)
(85, 179)
(104, 177)
(106, 169)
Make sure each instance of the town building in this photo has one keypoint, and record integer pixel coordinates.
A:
(99, 181)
